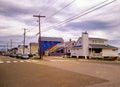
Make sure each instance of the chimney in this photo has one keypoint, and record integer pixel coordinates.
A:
(85, 44)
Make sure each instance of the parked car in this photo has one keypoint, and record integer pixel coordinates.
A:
(13, 55)
(25, 56)
(19, 55)
(30, 55)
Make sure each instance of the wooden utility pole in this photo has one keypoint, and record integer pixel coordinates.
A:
(39, 38)
(7, 49)
(11, 43)
(24, 40)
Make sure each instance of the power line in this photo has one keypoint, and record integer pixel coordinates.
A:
(46, 7)
(89, 11)
(60, 10)
(93, 7)
(83, 13)
(79, 14)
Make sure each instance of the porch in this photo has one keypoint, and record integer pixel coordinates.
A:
(95, 53)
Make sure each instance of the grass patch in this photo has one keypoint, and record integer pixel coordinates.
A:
(36, 58)
(118, 58)
(105, 58)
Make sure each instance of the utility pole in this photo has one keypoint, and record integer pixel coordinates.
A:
(24, 40)
(39, 38)
(7, 49)
(11, 43)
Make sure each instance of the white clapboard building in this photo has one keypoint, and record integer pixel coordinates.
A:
(93, 47)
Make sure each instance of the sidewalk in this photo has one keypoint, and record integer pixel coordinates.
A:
(57, 58)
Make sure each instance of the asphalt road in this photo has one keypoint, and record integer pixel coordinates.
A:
(30, 73)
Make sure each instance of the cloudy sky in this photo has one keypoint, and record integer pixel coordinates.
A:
(64, 18)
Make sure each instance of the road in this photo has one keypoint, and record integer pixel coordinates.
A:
(54, 73)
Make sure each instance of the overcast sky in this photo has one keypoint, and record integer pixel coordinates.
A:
(18, 14)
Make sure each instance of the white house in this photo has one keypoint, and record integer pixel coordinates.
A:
(23, 49)
(93, 47)
(68, 45)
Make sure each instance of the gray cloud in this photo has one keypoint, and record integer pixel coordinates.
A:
(90, 25)
(4, 27)
(115, 43)
(11, 10)
(16, 39)
(16, 12)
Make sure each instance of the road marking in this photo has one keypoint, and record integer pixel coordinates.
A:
(8, 61)
(15, 61)
(28, 61)
(22, 61)
(1, 62)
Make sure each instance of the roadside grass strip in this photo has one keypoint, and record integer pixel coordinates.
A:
(62, 60)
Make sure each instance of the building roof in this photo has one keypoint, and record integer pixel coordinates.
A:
(33, 43)
(69, 43)
(90, 38)
(52, 39)
(26, 46)
(102, 46)
(76, 47)
(98, 38)
(98, 46)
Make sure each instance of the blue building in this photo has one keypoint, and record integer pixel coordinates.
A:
(48, 42)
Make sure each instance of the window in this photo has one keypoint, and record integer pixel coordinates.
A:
(92, 41)
(68, 50)
(114, 49)
(73, 44)
(95, 41)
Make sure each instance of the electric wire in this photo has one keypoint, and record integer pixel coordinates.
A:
(96, 7)
(83, 14)
(60, 9)
(78, 14)
(90, 11)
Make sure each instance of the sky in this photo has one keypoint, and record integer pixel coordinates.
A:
(17, 15)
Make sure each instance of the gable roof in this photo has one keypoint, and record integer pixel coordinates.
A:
(90, 38)
(97, 38)
(52, 39)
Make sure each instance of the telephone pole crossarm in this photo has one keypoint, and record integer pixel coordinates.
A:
(38, 16)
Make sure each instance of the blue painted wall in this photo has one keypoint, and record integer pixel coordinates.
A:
(46, 45)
